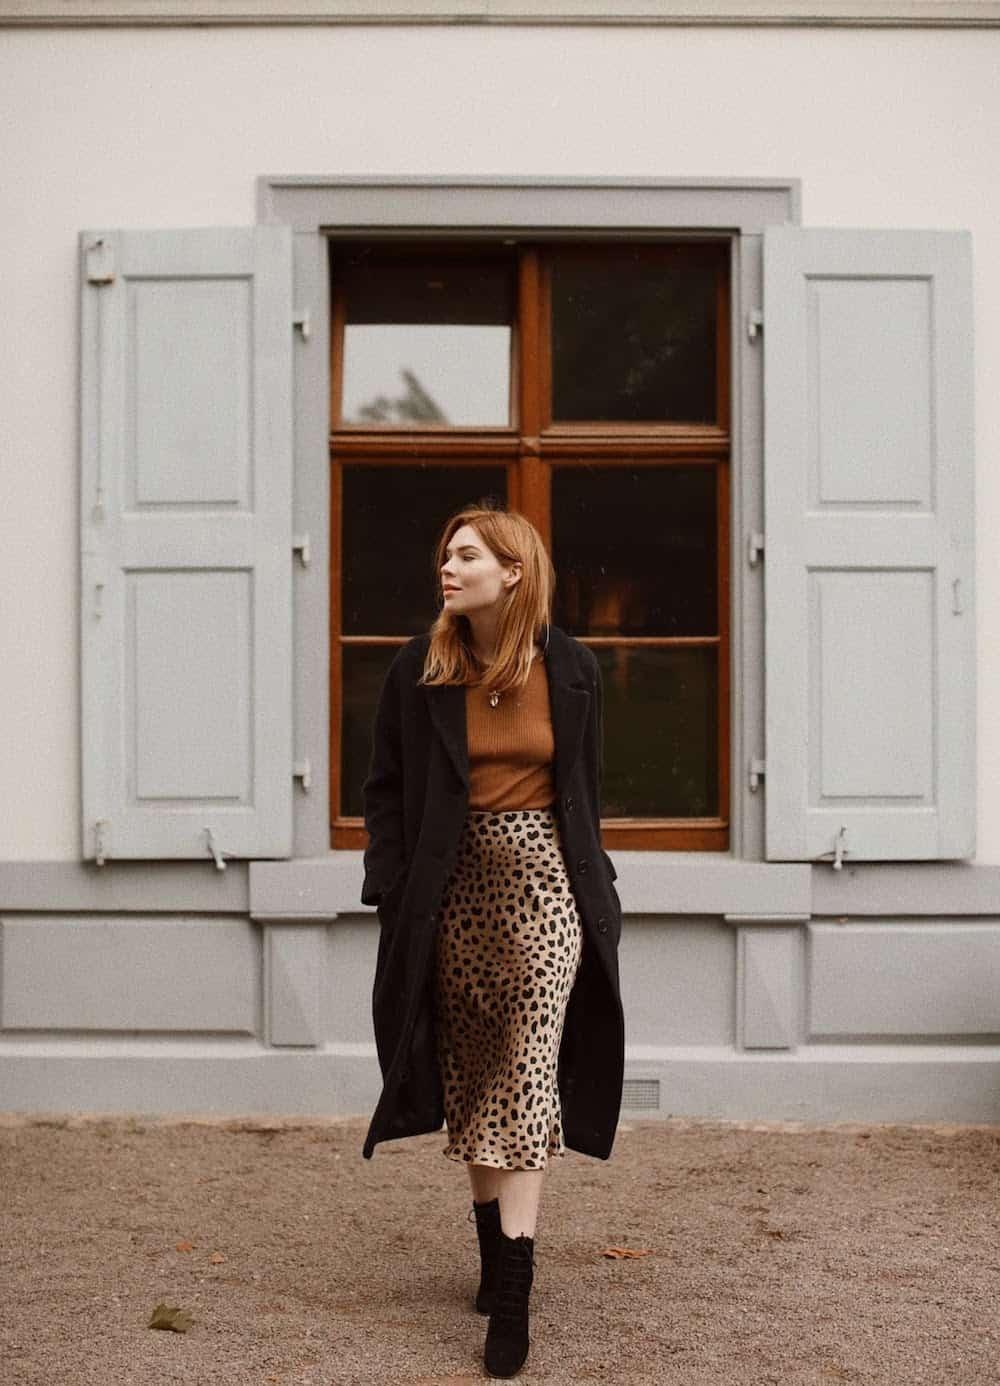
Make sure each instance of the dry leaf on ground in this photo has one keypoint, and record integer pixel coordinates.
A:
(620, 1253)
(170, 1316)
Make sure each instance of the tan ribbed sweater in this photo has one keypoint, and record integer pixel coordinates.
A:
(511, 745)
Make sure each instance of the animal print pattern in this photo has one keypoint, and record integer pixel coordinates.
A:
(508, 945)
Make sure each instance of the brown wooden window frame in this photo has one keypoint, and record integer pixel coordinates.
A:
(531, 449)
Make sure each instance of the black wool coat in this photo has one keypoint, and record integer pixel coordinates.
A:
(415, 799)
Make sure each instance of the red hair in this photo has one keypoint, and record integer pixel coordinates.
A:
(525, 608)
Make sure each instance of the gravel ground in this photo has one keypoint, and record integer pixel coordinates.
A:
(779, 1254)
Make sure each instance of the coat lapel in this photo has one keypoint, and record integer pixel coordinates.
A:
(569, 700)
(447, 705)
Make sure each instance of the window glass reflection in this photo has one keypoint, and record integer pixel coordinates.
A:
(633, 337)
(391, 519)
(660, 731)
(635, 550)
(427, 341)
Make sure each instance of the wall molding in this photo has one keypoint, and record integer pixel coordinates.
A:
(650, 883)
(813, 13)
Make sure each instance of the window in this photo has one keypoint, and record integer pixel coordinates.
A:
(587, 385)
(586, 381)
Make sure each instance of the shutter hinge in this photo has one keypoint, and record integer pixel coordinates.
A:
(755, 323)
(301, 321)
(757, 770)
(101, 840)
(300, 545)
(302, 770)
(214, 849)
(100, 262)
(755, 547)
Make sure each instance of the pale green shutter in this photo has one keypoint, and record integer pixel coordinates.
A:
(186, 456)
(868, 561)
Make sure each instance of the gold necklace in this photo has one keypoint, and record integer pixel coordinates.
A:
(495, 695)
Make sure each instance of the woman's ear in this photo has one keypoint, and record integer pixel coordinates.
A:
(512, 576)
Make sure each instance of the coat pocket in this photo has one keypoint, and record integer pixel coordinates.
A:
(388, 905)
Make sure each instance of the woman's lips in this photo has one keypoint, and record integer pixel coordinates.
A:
(451, 589)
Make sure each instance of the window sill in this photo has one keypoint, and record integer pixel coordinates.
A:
(673, 883)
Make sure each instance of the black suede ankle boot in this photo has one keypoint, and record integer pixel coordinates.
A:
(488, 1231)
(507, 1336)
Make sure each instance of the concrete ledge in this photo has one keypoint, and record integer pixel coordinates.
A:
(906, 888)
(648, 883)
(887, 1083)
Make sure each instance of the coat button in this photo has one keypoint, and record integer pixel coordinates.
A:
(569, 801)
(602, 925)
(582, 865)
(404, 1076)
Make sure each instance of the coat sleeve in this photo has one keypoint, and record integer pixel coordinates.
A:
(596, 765)
(382, 793)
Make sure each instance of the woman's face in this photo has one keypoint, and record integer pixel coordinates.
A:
(472, 577)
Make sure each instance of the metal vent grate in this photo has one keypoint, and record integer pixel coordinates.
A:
(641, 1094)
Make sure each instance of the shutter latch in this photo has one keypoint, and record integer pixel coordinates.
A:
(100, 263)
(755, 323)
(301, 321)
(300, 545)
(756, 774)
(755, 547)
(302, 770)
(214, 849)
(839, 850)
(101, 841)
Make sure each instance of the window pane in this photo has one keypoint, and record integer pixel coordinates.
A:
(391, 520)
(635, 550)
(364, 668)
(427, 342)
(633, 338)
(660, 733)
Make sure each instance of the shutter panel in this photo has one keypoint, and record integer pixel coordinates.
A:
(869, 525)
(186, 453)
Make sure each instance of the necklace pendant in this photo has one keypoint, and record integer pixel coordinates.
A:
(494, 698)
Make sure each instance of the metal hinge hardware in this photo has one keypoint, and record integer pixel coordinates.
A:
(757, 769)
(300, 545)
(301, 321)
(302, 770)
(755, 547)
(755, 323)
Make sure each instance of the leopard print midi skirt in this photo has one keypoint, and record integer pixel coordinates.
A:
(508, 945)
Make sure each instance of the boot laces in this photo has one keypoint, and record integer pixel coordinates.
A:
(515, 1286)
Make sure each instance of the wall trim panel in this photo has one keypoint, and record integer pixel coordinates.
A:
(658, 883)
(88, 975)
(566, 13)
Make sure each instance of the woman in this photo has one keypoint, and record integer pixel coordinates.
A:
(496, 998)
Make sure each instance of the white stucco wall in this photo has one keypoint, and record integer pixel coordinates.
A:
(170, 127)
